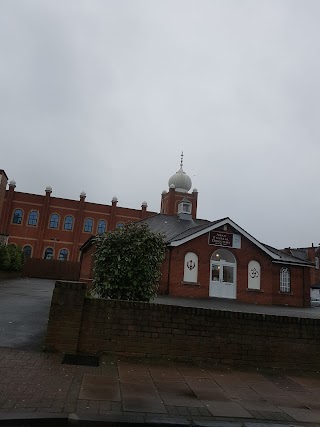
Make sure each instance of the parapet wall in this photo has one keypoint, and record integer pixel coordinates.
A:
(93, 326)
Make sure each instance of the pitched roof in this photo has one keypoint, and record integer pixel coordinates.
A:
(178, 231)
(172, 226)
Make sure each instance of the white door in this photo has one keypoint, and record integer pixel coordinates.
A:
(223, 280)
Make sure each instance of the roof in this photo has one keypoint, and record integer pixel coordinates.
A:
(179, 231)
(172, 226)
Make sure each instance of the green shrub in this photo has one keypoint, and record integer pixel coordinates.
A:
(11, 258)
(128, 263)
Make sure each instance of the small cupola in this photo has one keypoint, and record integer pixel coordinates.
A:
(185, 209)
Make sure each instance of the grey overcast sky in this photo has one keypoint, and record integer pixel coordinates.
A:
(103, 95)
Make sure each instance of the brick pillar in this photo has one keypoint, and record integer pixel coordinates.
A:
(194, 203)
(171, 201)
(78, 228)
(144, 210)
(113, 216)
(43, 222)
(3, 186)
(7, 208)
(65, 316)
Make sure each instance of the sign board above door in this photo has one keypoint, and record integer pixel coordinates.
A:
(227, 240)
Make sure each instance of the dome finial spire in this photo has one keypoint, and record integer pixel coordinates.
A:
(181, 162)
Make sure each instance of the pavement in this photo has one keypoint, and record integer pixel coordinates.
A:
(121, 390)
(37, 386)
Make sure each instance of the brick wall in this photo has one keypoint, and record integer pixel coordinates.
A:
(41, 236)
(94, 326)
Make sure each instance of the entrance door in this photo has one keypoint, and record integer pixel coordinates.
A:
(223, 275)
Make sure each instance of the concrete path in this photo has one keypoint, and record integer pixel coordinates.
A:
(234, 305)
(24, 312)
(37, 384)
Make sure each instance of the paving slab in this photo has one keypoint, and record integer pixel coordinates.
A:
(38, 383)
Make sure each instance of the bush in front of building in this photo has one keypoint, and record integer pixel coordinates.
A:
(128, 263)
(11, 258)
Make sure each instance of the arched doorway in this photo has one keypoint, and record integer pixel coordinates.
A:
(223, 275)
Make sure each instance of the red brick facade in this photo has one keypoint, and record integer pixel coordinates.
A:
(269, 293)
(40, 236)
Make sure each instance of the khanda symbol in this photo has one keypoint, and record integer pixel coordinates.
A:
(254, 273)
(191, 264)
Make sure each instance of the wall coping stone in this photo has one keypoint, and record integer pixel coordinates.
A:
(201, 311)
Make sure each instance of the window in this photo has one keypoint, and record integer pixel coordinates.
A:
(33, 218)
(316, 261)
(254, 274)
(27, 250)
(48, 253)
(17, 216)
(54, 221)
(88, 225)
(102, 226)
(223, 255)
(120, 225)
(285, 285)
(190, 273)
(68, 223)
(63, 255)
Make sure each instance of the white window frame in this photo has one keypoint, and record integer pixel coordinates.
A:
(285, 280)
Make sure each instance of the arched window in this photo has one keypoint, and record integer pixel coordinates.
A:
(48, 253)
(63, 255)
(17, 216)
(223, 255)
(27, 250)
(68, 223)
(285, 282)
(54, 221)
(102, 226)
(120, 225)
(33, 218)
(254, 275)
(88, 225)
(190, 273)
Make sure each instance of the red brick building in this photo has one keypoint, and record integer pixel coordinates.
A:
(204, 258)
(49, 227)
(219, 258)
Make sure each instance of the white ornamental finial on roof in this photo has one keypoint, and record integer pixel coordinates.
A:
(180, 180)
(181, 162)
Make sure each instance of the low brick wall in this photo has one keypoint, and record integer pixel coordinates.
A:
(5, 275)
(181, 333)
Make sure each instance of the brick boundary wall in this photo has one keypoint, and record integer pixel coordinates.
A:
(93, 326)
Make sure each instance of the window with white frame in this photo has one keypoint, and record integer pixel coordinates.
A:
(190, 272)
(88, 225)
(27, 250)
(17, 216)
(316, 261)
(33, 218)
(63, 255)
(102, 226)
(285, 285)
(48, 253)
(68, 222)
(254, 275)
(54, 221)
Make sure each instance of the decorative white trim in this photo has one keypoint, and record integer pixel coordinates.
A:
(236, 227)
